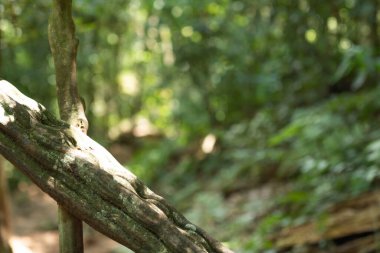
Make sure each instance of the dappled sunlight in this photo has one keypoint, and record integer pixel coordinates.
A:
(345, 44)
(4, 118)
(19, 246)
(17, 97)
(139, 127)
(332, 24)
(34, 219)
(124, 126)
(311, 35)
(166, 45)
(38, 242)
(128, 83)
(208, 143)
(255, 118)
(144, 127)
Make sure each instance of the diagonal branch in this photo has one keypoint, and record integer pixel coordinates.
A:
(84, 178)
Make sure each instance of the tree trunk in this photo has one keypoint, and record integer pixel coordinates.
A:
(4, 212)
(64, 46)
(87, 180)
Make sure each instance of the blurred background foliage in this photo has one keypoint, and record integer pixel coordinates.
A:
(247, 115)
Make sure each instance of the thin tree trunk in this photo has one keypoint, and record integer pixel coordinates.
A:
(4, 212)
(64, 46)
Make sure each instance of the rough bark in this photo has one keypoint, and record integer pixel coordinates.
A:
(64, 46)
(84, 178)
(4, 212)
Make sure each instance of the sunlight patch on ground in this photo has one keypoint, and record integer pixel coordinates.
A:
(38, 242)
(18, 246)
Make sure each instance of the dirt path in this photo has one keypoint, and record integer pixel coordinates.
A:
(34, 223)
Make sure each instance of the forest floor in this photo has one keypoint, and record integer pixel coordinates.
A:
(34, 225)
(352, 226)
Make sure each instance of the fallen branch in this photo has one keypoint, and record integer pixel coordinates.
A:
(87, 180)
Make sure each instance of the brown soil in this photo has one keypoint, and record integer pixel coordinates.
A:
(34, 225)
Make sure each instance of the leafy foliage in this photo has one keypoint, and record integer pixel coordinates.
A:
(288, 89)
